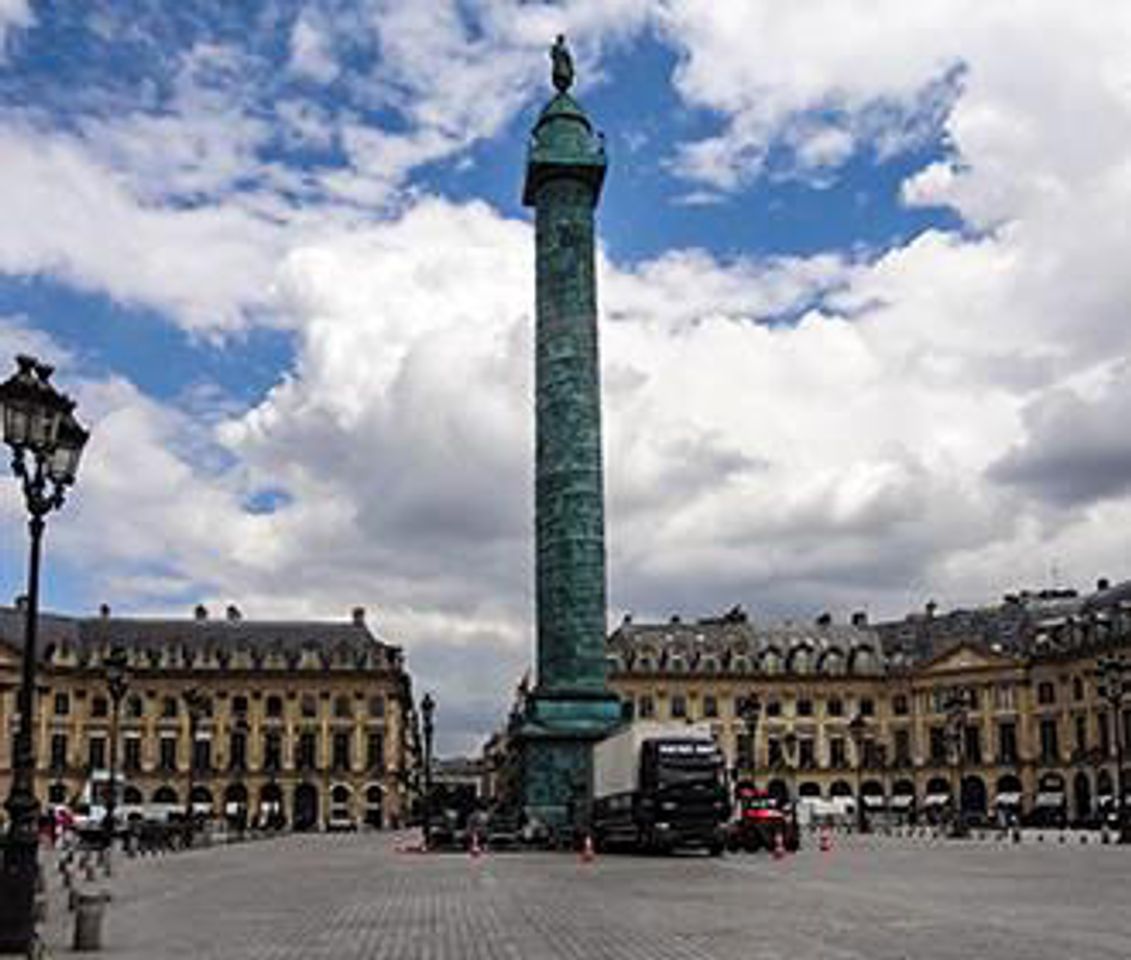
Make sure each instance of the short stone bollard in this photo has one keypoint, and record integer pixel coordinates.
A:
(90, 910)
(1016, 834)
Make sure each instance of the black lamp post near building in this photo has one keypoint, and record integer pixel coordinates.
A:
(196, 702)
(427, 707)
(857, 727)
(117, 684)
(956, 705)
(46, 442)
(750, 712)
(1115, 689)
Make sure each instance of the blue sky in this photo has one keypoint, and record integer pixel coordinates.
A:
(277, 250)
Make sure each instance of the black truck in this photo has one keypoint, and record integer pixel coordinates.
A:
(658, 787)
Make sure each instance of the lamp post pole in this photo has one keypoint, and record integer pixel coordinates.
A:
(750, 711)
(117, 683)
(789, 742)
(856, 728)
(427, 706)
(956, 705)
(194, 702)
(46, 443)
(1113, 687)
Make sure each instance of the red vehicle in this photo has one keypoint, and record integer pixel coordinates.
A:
(758, 818)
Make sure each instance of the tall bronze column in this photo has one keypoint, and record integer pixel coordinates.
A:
(571, 704)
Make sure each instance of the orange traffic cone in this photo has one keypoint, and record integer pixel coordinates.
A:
(826, 841)
(588, 854)
(779, 845)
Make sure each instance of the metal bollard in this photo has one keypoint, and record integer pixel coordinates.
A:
(90, 909)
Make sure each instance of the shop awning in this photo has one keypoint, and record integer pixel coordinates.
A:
(1009, 799)
(902, 801)
(936, 799)
(874, 801)
(1050, 798)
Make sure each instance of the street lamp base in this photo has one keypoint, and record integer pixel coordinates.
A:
(17, 907)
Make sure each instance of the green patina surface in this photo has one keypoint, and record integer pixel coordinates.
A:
(571, 705)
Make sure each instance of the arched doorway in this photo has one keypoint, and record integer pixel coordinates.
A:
(903, 798)
(202, 802)
(235, 805)
(1050, 804)
(809, 789)
(165, 795)
(778, 790)
(305, 807)
(374, 806)
(973, 796)
(1082, 796)
(840, 788)
(132, 795)
(271, 813)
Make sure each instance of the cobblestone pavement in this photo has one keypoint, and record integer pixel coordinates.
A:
(351, 897)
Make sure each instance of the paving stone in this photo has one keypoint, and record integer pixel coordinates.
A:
(355, 897)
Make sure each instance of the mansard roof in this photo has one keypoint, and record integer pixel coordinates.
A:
(196, 635)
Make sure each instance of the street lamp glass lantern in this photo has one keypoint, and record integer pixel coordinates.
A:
(32, 408)
(70, 440)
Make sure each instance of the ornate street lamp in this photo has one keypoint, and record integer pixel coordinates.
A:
(47, 441)
(1115, 689)
(427, 707)
(789, 744)
(956, 705)
(196, 701)
(117, 684)
(857, 727)
(750, 712)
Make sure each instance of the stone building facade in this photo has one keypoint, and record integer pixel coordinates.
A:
(293, 722)
(1015, 729)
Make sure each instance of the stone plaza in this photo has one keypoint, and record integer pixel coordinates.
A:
(349, 897)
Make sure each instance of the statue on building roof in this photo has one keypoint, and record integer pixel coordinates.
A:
(563, 65)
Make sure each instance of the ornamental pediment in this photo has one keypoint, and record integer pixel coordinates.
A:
(965, 656)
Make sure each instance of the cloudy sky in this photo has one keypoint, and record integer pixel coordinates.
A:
(865, 306)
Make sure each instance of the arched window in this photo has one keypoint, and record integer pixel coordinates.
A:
(274, 706)
(343, 709)
(377, 706)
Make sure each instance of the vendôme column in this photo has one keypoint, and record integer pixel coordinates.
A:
(571, 704)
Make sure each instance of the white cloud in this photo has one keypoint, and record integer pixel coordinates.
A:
(14, 15)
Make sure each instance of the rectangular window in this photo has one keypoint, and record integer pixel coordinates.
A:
(131, 759)
(899, 705)
(805, 708)
(307, 751)
(679, 706)
(99, 707)
(342, 758)
(309, 706)
(375, 752)
(1081, 726)
(377, 707)
(808, 753)
(1046, 693)
(1007, 743)
(1105, 734)
(272, 751)
(96, 758)
(973, 698)
(62, 704)
(168, 755)
(972, 737)
(710, 706)
(237, 750)
(1050, 746)
(773, 708)
(938, 745)
(835, 707)
(239, 706)
(647, 706)
(1003, 696)
(867, 707)
(744, 749)
(202, 755)
(169, 707)
(838, 756)
(774, 753)
(903, 748)
(58, 751)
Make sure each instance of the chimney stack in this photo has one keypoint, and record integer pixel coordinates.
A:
(860, 618)
(358, 616)
(104, 611)
(233, 613)
(1102, 584)
(201, 612)
(21, 601)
